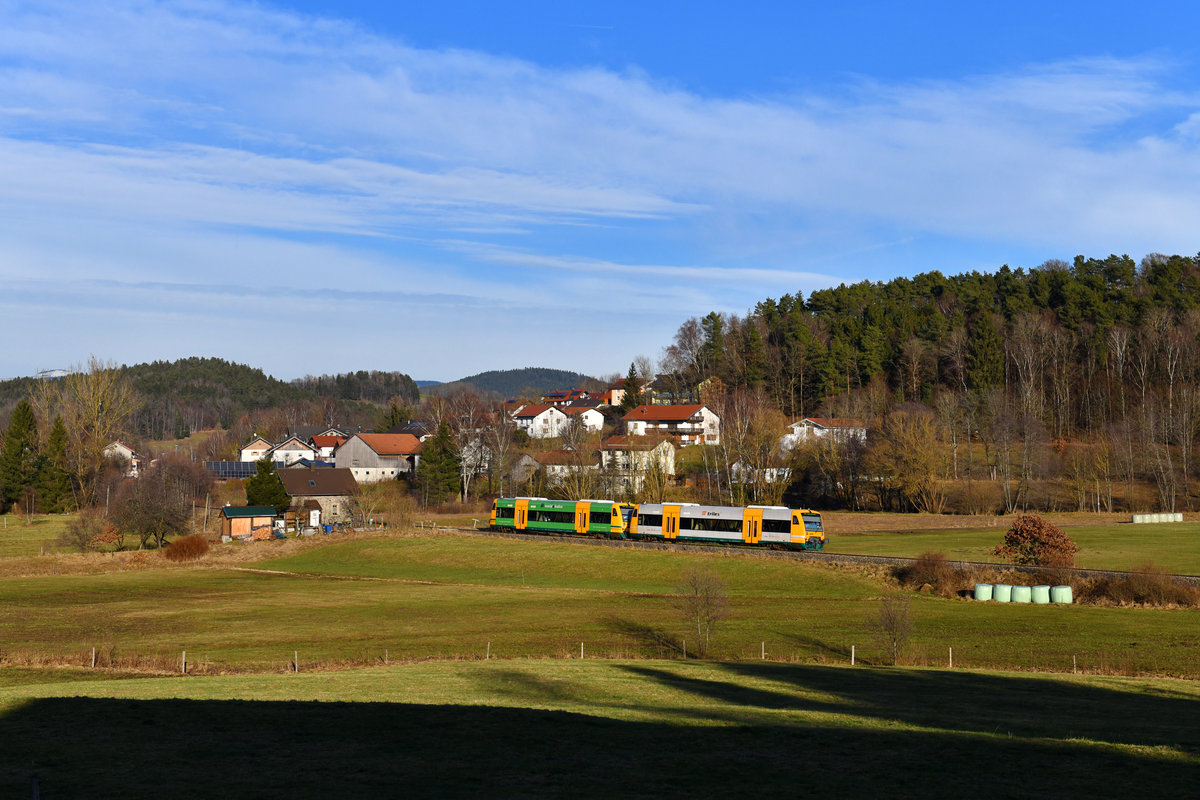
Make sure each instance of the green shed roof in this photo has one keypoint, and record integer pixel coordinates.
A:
(249, 511)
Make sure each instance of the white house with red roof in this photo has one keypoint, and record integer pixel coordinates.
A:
(588, 415)
(685, 424)
(128, 457)
(374, 457)
(541, 421)
(326, 443)
(840, 429)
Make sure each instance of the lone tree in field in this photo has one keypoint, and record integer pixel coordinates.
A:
(702, 601)
(893, 624)
(1032, 540)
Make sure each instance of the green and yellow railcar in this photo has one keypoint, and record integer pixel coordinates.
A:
(540, 515)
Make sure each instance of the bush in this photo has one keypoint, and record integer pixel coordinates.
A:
(189, 548)
(1147, 584)
(932, 569)
(82, 532)
(1034, 541)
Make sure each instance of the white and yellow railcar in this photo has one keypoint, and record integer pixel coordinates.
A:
(793, 528)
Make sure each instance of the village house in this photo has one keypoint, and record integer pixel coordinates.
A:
(374, 457)
(590, 417)
(559, 465)
(320, 496)
(630, 458)
(690, 424)
(291, 450)
(540, 421)
(256, 450)
(130, 460)
(326, 444)
(839, 429)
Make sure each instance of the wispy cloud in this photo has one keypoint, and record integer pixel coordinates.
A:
(265, 148)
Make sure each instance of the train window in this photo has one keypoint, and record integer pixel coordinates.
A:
(776, 526)
(504, 513)
(812, 522)
(650, 520)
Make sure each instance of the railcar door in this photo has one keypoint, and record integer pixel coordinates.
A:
(670, 523)
(752, 526)
(582, 510)
(521, 514)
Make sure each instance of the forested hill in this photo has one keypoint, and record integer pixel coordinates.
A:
(1070, 341)
(369, 386)
(512, 383)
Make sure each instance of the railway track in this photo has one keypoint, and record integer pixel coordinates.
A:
(798, 555)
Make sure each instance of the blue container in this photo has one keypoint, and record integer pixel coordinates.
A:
(983, 591)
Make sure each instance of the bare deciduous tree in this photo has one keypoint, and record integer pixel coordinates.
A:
(892, 624)
(703, 602)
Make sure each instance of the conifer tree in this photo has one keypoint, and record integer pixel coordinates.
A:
(19, 457)
(54, 481)
(266, 488)
(438, 473)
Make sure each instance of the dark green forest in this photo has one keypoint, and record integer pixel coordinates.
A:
(517, 383)
(1084, 371)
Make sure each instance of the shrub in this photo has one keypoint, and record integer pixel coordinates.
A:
(931, 568)
(1147, 584)
(1032, 540)
(83, 531)
(189, 548)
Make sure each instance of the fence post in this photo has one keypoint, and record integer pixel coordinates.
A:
(764, 651)
(295, 660)
(183, 663)
(93, 658)
(951, 658)
(489, 651)
(581, 651)
(852, 655)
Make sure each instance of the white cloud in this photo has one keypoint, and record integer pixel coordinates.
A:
(265, 148)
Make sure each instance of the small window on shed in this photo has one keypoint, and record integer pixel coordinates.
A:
(311, 482)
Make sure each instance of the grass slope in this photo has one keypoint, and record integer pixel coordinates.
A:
(1173, 546)
(602, 729)
(450, 595)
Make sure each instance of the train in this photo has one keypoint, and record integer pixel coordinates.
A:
(769, 526)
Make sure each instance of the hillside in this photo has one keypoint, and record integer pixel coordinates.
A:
(517, 382)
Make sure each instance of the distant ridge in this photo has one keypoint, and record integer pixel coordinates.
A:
(514, 383)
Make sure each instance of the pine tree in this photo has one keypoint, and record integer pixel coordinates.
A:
(985, 355)
(393, 416)
(632, 398)
(19, 457)
(54, 481)
(266, 489)
(438, 473)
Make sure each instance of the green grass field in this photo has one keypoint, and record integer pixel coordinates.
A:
(1173, 546)
(455, 595)
(21, 538)
(601, 729)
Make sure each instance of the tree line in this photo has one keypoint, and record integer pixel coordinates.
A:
(1080, 374)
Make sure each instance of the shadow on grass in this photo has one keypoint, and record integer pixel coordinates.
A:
(662, 643)
(85, 747)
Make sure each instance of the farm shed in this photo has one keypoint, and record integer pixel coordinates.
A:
(241, 522)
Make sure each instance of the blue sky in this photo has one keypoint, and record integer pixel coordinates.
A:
(315, 187)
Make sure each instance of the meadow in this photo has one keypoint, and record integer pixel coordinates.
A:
(442, 663)
(518, 728)
(1174, 546)
(449, 595)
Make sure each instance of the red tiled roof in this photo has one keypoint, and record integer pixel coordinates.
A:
(532, 411)
(392, 444)
(662, 413)
(328, 441)
(565, 458)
